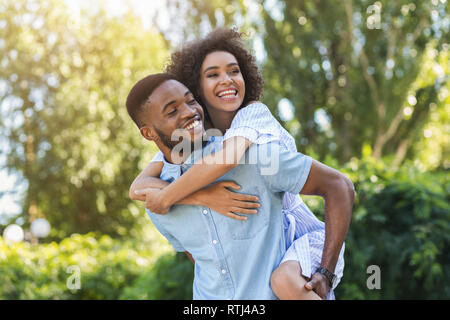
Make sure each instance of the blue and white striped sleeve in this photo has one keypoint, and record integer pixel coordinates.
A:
(256, 123)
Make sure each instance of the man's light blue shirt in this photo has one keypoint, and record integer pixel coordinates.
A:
(234, 259)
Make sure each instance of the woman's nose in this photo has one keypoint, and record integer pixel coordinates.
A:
(226, 79)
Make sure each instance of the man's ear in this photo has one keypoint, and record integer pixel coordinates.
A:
(149, 133)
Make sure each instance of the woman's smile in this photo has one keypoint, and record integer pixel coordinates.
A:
(228, 94)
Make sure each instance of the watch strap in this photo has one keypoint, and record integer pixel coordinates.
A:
(328, 274)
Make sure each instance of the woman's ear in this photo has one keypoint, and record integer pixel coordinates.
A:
(149, 134)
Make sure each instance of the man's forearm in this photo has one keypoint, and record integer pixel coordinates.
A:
(193, 180)
(338, 212)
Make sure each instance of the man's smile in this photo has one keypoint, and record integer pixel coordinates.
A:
(193, 123)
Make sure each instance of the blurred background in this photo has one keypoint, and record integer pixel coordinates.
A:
(362, 85)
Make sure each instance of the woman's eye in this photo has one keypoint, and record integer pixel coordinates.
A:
(211, 75)
(192, 101)
(172, 112)
(236, 71)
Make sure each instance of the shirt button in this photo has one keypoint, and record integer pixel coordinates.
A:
(224, 271)
(214, 241)
(205, 211)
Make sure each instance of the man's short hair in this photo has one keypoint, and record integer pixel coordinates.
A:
(140, 92)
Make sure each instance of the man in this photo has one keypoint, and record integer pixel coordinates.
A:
(233, 259)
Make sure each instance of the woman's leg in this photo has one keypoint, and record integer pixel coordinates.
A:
(288, 282)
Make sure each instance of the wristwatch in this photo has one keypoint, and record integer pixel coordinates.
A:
(330, 276)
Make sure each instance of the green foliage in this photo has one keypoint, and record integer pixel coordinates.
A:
(170, 279)
(401, 222)
(358, 64)
(107, 267)
(65, 78)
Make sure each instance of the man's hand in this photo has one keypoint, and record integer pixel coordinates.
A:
(319, 284)
(218, 198)
(154, 200)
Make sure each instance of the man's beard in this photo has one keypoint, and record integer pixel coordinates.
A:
(169, 143)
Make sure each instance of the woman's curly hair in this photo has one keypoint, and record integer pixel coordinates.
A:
(186, 62)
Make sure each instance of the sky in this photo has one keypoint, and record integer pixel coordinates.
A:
(143, 8)
(8, 203)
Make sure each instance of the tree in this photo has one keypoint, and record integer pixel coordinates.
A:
(65, 77)
(358, 63)
(351, 70)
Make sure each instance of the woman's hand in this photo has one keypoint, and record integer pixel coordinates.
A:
(154, 200)
(218, 198)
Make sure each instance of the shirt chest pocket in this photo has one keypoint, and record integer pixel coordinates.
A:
(247, 229)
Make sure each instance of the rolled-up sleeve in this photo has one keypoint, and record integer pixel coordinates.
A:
(256, 123)
(177, 246)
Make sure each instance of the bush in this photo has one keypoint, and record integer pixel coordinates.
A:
(106, 267)
(401, 223)
(170, 279)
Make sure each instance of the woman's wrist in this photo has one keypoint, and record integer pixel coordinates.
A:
(200, 198)
(165, 198)
(195, 199)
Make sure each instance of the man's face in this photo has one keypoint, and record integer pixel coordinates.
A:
(173, 109)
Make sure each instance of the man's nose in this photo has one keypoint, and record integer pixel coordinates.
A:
(189, 111)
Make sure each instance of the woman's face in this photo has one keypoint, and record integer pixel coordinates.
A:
(222, 85)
